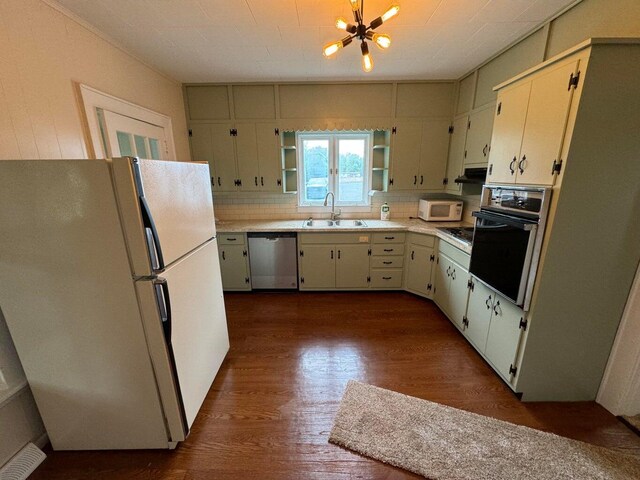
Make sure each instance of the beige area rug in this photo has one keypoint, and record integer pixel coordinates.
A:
(444, 443)
(633, 421)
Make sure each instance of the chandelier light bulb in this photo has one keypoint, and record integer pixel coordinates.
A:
(342, 23)
(382, 40)
(355, 5)
(331, 48)
(391, 12)
(367, 61)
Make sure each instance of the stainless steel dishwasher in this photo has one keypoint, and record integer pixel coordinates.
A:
(273, 259)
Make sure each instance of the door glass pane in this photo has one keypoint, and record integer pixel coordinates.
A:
(124, 142)
(351, 170)
(316, 169)
(141, 146)
(155, 148)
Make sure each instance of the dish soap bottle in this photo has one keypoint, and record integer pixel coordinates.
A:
(384, 211)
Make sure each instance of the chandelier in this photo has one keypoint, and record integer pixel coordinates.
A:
(361, 32)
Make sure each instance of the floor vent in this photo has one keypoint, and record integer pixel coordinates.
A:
(23, 463)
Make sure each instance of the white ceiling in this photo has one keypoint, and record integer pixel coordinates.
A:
(282, 40)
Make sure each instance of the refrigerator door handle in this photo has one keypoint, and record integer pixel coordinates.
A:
(164, 303)
(153, 240)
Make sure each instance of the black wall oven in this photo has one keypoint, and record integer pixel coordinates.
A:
(507, 239)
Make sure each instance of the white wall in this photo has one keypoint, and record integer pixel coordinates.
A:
(42, 53)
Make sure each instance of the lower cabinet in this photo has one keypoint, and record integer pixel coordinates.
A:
(352, 266)
(452, 282)
(420, 258)
(234, 262)
(505, 330)
(494, 325)
(478, 316)
(318, 267)
(333, 261)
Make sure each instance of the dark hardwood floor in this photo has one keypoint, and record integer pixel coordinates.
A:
(270, 409)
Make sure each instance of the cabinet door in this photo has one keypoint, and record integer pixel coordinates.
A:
(433, 154)
(479, 310)
(504, 336)
(479, 136)
(442, 279)
(352, 266)
(508, 128)
(545, 126)
(269, 157)
(224, 159)
(247, 155)
(318, 267)
(202, 147)
(418, 273)
(456, 153)
(406, 155)
(234, 267)
(458, 294)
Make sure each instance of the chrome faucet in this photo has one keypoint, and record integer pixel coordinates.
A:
(333, 202)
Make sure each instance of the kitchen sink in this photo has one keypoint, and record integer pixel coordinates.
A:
(333, 223)
(349, 223)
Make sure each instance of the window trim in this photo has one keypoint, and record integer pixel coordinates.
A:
(333, 185)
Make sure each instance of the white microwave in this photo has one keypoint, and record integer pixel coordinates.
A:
(440, 210)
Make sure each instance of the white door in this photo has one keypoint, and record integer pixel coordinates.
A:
(198, 323)
(127, 137)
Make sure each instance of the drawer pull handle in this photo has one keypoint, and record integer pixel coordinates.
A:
(387, 263)
(389, 238)
(388, 249)
(231, 239)
(386, 278)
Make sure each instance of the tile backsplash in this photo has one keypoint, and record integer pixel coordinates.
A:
(263, 206)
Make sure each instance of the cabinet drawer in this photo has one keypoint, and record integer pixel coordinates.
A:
(391, 278)
(231, 238)
(422, 239)
(386, 250)
(455, 254)
(389, 237)
(387, 262)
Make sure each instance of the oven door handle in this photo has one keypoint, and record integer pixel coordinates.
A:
(504, 221)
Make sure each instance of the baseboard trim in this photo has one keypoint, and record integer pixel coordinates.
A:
(42, 441)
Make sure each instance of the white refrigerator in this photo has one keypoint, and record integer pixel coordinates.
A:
(110, 285)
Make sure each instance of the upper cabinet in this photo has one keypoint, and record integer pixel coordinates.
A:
(420, 141)
(419, 154)
(236, 129)
(254, 102)
(478, 142)
(424, 100)
(208, 102)
(529, 128)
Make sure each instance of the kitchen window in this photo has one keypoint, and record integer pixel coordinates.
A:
(334, 162)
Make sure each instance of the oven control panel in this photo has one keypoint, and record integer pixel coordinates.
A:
(528, 201)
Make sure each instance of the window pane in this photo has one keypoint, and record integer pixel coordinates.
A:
(141, 146)
(155, 150)
(351, 170)
(124, 142)
(315, 154)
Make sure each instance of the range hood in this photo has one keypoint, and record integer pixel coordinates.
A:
(475, 176)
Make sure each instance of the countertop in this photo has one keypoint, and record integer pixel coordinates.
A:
(408, 225)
